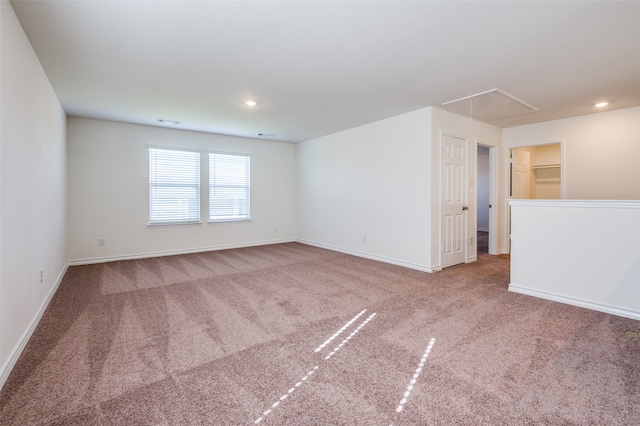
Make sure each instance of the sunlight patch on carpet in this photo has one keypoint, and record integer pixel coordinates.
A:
(339, 332)
(414, 379)
(337, 348)
(349, 337)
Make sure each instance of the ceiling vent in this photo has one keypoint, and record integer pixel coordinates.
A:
(490, 105)
(165, 121)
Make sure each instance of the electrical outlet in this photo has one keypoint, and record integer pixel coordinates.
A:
(471, 241)
(41, 277)
(364, 238)
(276, 229)
(101, 242)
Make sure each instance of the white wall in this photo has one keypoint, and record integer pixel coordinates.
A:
(382, 181)
(108, 193)
(584, 253)
(32, 190)
(601, 152)
(548, 154)
(373, 181)
(546, 181)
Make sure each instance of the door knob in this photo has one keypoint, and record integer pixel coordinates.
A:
(465, 208)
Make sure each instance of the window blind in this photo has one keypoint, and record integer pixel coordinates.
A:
(229, 187)
(174, 186)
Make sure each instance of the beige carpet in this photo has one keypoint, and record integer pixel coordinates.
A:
(295, 335)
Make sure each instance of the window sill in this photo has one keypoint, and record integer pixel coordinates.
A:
(230, 220)
(153, 225)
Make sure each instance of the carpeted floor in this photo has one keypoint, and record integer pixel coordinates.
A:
(483, 242)
(291, 334)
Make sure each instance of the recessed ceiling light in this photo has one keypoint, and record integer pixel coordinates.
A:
(602, 104)
(251, 103)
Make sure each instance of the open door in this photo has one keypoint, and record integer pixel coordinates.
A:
(521, 174)
(454, 210)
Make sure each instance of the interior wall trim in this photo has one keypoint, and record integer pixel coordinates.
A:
(373, 257)
(5, 369)
(608, 309)
(607, 204)
(89, 261)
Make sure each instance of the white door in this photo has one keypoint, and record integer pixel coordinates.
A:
(520, 179)
(453, 200)
(521, 175)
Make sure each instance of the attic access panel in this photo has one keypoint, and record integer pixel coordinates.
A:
(490, 105)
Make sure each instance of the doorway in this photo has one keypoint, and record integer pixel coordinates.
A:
(535, 173)
(486, 192)
(458, 209)
(484, 199)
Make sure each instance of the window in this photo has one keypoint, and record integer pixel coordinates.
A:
(174, 186)
(229, 187)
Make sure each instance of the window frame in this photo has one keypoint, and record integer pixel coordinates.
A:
(212, 186)
(175, 221)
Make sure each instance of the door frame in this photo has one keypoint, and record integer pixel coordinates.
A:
(506, 208)
(493, 195)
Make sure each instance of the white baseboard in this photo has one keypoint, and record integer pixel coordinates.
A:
(6, 368)
(372, 257)
(621, 312)
(88, 261)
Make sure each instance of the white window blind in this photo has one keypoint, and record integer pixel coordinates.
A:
(229, 187)
(174, 186)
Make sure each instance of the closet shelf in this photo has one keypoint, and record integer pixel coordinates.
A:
(546, 166)
(547, 173)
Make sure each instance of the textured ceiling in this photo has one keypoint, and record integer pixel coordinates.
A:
(315, 68)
